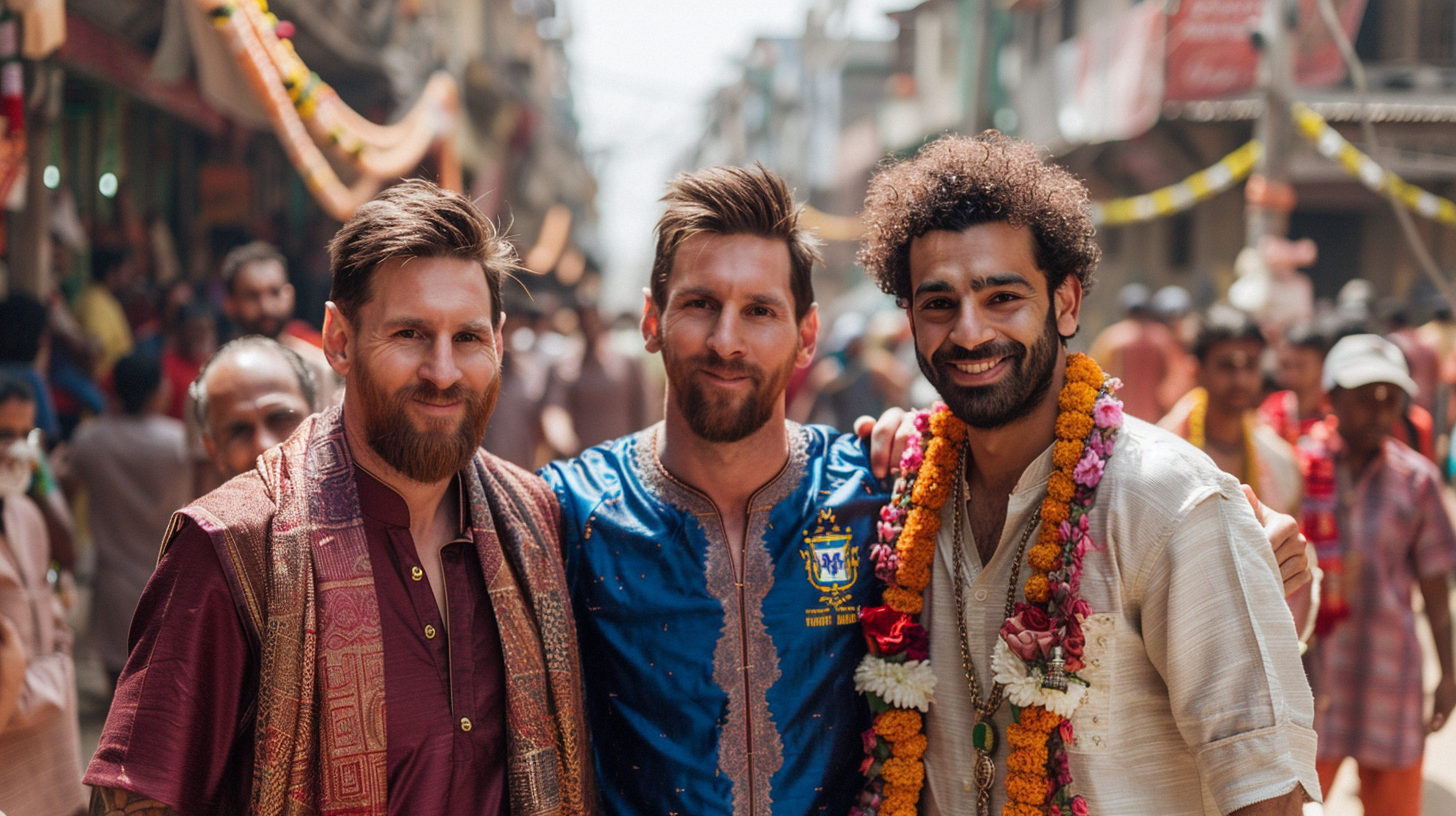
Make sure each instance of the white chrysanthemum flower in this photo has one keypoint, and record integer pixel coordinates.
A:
(1023, 688)
(904, 685)
(1023, 685)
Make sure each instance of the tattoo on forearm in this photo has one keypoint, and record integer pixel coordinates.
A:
(113, 802)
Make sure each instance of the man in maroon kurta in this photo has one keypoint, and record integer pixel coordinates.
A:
(374, 620)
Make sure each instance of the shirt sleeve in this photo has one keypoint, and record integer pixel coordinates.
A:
(1216, 627)
(1435, 545)
(180, 726)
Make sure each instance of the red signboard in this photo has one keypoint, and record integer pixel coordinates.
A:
(1211, 54)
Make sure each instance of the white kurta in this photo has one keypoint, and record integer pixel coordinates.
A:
(1198, 703)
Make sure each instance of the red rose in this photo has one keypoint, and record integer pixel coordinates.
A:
(890, 631)
(917, 643)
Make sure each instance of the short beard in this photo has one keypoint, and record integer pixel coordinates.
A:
(426, 456)
(1015, 396)
(717, 420)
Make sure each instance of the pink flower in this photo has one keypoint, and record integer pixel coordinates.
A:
(892, 513)
(871, 739)
(1079, 806)
(886, 568)
(911, 459)
(1029, 645)
(1107, 413)
(864, 765)
(1079, 609)
(1065, 730)
(1088, 472)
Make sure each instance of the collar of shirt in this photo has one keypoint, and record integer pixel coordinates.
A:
(383, 503)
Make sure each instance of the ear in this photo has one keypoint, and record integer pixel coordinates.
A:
(208, 445)
(1068, 302)
(651, 323)
(808, 336)
(339, 339)
(500, 338)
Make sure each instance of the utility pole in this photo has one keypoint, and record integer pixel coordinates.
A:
(1269, 195)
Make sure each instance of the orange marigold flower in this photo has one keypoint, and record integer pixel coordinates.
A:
(1039, 719)
(944, 424)
(1077, 397)
(1026, 761)
(1045, 557)
(1017, 809)
(915, 578)
(1019, 737)
(1060, 486)
(1048, 536)
(1054, 512)
(1067, 453)
(903, 600)
(898, 724)
(1073, 426)
(912, 748)
(1037, 589)
(899, 801)
(903, 772)
(1083, 369)
(931, 488)
(1027, 789)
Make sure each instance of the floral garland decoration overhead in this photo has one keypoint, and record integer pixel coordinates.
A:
(1040, 647)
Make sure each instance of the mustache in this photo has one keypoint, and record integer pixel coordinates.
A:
(723, 367)
(427, 393)
(985, 351)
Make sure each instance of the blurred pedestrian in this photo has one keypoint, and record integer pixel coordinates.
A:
(1219, 415)
(135, 469)
(1423, 359)
(98, 309)
(249, 396)
(1393, 533)
(596, 395)
(260, 300)
(39, 735)
(194, 340)
(1142, 352)
(1299, 369)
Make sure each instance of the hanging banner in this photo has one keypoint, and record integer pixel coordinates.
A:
(1110, 78)
(1200, 186)
(1211, 53)
(1332, 145)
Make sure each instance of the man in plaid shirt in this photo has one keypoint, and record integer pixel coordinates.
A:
(1394, 532)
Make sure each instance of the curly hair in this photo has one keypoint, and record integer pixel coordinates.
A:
(957, 182)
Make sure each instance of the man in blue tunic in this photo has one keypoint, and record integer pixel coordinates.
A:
(718, 560)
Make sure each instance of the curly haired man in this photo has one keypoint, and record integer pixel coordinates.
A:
(1196, 702)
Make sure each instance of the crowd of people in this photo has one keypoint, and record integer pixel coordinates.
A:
(365, 597)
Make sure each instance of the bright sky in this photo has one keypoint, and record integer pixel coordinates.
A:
(642, 72)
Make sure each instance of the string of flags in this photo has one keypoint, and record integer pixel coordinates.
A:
(1204, 184)
(1332, 145)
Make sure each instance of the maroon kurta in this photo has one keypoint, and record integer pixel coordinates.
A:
(180, 729)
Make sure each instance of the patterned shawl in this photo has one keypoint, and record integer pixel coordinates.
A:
(291, 536)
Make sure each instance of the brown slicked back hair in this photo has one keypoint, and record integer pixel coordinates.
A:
(957, 182)
(735, 201)
(415, 219)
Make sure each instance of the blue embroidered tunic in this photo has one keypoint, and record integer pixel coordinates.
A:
(707, 695)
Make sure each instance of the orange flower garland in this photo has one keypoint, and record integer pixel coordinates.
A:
(1036, 766)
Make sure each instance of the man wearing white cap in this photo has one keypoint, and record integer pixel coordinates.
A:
(1388, 530)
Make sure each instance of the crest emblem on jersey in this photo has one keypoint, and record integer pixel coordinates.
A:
(830, 557)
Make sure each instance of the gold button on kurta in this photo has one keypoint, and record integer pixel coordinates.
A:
(429, 631)
(416, 573)
(464, 723)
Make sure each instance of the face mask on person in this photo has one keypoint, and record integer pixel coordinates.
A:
(17, 463)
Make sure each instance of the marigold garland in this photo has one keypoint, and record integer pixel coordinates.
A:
(1086, 426)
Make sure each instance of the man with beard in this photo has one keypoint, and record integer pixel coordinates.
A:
(260, 300)
(386, 621)
(717, 559)
(1219, 418)
(1139, 658)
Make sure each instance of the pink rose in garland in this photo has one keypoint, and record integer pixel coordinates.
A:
(1028, 633)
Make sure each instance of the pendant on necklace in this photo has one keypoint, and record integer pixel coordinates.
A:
(985, 773)
(1056, 675)
(983, 737)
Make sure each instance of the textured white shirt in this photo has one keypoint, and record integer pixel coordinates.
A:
(1198, 703)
